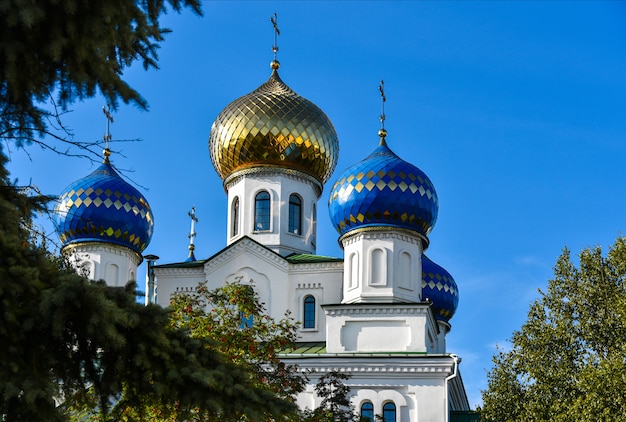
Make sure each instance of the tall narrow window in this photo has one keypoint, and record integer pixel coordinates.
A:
(234, 231)
(353, 262)
(309, 312)
(295, 214)
(389, 412)
(377, 267)
(262, 211)
(367, 411)
(405, 273)
(314, 226)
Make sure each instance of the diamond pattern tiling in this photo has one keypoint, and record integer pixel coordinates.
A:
(439, 287)
(104, 207)
(274, 125)
(383, 190)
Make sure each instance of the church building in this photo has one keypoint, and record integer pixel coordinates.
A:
(380, 313)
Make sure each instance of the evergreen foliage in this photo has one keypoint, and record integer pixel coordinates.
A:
(567, 363)
(73, 348)
(66, 339)
(60, 51)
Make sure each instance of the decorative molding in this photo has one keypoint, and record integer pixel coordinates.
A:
(383, 232)
(297, 267)
(98, 247)
(188, 289)
(309, 286)
(179, 271)
(292, 174)
(377, 309)
(382, 369)
(379, 366)
(238, 248)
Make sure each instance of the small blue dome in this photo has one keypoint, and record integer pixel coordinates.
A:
(439, 287)
(103, 207)
(383, 190)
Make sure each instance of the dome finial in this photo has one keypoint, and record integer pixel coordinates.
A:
(192, 234)
(382, 133)
(107, 136)
(275, 64)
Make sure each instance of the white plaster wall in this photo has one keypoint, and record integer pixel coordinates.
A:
(115, 264)
(281, 286)
(380, 328)
(280, 186)
(416, 385)
(171, 280)
(323, 282)
(383, 281)
(252, 264)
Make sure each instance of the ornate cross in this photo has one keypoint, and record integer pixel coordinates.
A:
(107, 112)
(274, 21)
(381, 87)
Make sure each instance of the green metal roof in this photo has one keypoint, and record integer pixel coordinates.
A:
(184, 264)
(310, 258)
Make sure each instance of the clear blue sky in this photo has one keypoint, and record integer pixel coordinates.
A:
(516, 111)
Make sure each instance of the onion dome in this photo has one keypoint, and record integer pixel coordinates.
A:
(102, 207)
(274, 127)
(383, 190)
(439, 287)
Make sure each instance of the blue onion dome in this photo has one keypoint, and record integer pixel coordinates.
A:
(383, 190)
(439, 287)
(102, 207)
(274, 127)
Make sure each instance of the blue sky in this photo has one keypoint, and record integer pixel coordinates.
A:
(515, 110)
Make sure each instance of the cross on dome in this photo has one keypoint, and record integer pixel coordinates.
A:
(274, 20)
(107, 136)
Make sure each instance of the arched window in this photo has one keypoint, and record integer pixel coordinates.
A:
(309, 312)
(389, 412)
(367, 411)
(234, 231)
(262, 211)
(295, 214)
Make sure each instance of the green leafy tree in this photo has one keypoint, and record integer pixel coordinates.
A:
(237, 325)
(66, 339)
(567, 363)
(335, 405)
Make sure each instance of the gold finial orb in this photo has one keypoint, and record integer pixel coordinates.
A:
(275, 64)
(382, 133)
(107, 153)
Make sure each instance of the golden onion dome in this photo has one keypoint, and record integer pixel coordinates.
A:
(274, 127)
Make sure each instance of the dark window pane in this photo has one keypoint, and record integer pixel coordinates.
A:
(262, 211)
(367, 411)
(309, 312)
(295, 214)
